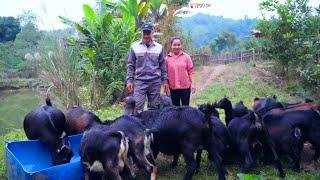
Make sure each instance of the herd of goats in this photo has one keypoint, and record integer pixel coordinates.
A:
(118, 149)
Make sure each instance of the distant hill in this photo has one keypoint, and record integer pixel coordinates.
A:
(203, 28)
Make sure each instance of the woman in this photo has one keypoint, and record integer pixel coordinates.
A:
(180, 73)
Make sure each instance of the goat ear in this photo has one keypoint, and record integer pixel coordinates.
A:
(252, 116)
(152, 132)
(119, 134)
(212, 106)
(274, 96)
(66, 149)
(65, 139)
(65, 145)
(297, 132)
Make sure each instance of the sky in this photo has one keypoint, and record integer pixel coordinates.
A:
(49, 10)
(235, 9)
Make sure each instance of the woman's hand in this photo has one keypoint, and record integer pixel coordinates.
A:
(193, 89)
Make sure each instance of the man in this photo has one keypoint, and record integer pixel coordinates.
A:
(146, 70)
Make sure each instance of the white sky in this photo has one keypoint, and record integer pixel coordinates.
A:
(237, 9)
(49, 10)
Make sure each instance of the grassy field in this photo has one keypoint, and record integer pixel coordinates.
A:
(238, 82)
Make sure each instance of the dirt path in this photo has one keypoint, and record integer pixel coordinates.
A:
(205, 75)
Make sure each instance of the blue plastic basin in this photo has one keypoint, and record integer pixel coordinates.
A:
(32, 160)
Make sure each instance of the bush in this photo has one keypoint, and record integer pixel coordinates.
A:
(61, 68)
(17, 83)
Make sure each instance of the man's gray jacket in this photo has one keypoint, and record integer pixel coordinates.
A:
(146, 63)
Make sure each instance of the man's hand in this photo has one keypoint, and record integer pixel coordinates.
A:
(130, 87)
(166, 89)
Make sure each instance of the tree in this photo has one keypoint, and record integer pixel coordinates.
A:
(179, 3)
(24, 41)
(318, 9)
(293, 40)
(167, 27)
(158, 10)
(135, 9)
(224, 42)
(167, 21)
(104, 42)
(27, 17)
(285, 32)
(27, 40)
(8, 57)
(209, 26)
(144, 11)
(176, 4)
(9, 28)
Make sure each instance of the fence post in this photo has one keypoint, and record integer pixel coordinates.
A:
(253, 54)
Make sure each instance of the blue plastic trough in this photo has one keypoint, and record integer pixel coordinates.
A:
(31, 160)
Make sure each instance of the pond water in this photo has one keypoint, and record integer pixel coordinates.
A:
(14, 106)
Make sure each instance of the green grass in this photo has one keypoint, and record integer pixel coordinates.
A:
(208, 171)
(17, 134)
(110, 113)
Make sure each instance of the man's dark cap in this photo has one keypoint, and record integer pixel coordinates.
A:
(147, 27)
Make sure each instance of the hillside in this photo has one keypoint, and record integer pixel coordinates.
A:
(208, 27)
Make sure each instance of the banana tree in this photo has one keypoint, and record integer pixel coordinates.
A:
(93, 29)
(105, 37)
(158, 10)
(137, 10)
